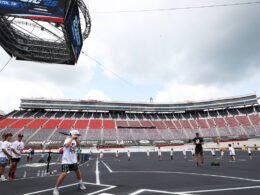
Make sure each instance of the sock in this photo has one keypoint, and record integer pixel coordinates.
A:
(12, 173)
(80, 181)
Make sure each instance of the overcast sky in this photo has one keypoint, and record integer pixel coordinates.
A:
(171, 56)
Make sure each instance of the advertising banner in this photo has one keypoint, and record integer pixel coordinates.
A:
(52, 10)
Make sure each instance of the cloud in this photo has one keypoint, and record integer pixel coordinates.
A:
(96, 95)
(181, 93)
(12, 90)
(202, 46)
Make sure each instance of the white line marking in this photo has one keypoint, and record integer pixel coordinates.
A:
(110, 170)
(185, 173)
(97, 173)
(197, 191)
(108, 187)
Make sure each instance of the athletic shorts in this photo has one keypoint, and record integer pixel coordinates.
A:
(198, 151)
(16, 159)
(249, 154)
(3, 160)
(69, 167)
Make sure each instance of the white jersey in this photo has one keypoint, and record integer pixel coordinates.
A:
(232, 151)
(184, 152)
(192, 152)
(7, 146)
(1, 148)
(159, 153)
(148, 153)
(101, 155)
(128, 154)
(18, 147)
(222, 153)
(171, 152)
(117, 154)
(249, 150)
(213, 152)
(69, 154)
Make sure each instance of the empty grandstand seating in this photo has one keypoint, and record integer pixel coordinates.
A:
(93, 135)
(185, 124)
(134, 124)
(7, 122)
(169, 124)
(202, 123)
(159, 124)
(109, 124)
(67, 124)
(125, 134)
(231, 121)
(81, 124)
(193, 124)
(20, 123)
(139, 134)
(153, 134)
(109, 134)
(37, 123)
(220, 122)
(255, 119)
(52, 124)
(95, 124)
(243, 120)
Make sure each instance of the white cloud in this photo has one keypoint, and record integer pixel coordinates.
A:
(96, 95)
(13, 89)
(181, 93)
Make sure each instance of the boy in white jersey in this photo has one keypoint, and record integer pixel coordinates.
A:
(213, 152)
(159, 154)
(17, 149)
(184, 153)
(171, 154)
(101, 156)
(69, 160)
(128, 155)
(222, 153)
(249, 152)
(232, 152)
(148, 154)
(117, 155)
(6, 153)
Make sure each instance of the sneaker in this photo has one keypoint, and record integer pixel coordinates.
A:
(3, 178)
(56, 191)
(82, 186)
(13, 176)
(9, 177)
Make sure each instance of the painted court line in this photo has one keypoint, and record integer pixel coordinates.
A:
(97, 173)
(110, 170)
(185, 173)
(108, 187)
(191, 192)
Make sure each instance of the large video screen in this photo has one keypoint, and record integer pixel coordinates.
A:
(75, 31)
(53, 10)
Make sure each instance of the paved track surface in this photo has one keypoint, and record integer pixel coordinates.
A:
(143, 176)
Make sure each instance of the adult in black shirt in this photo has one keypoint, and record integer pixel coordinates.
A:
(198, 141)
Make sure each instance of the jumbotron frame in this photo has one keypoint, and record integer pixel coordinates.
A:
(25, 45)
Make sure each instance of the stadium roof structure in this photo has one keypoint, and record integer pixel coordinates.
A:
(41, 103)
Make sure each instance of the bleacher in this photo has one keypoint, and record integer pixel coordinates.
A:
(117, 126)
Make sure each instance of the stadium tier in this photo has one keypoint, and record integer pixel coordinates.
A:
(115, 122)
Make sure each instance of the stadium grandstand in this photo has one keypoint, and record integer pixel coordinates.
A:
(122, 123)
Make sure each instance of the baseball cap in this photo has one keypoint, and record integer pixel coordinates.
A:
(20, 135)
(75, 132)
